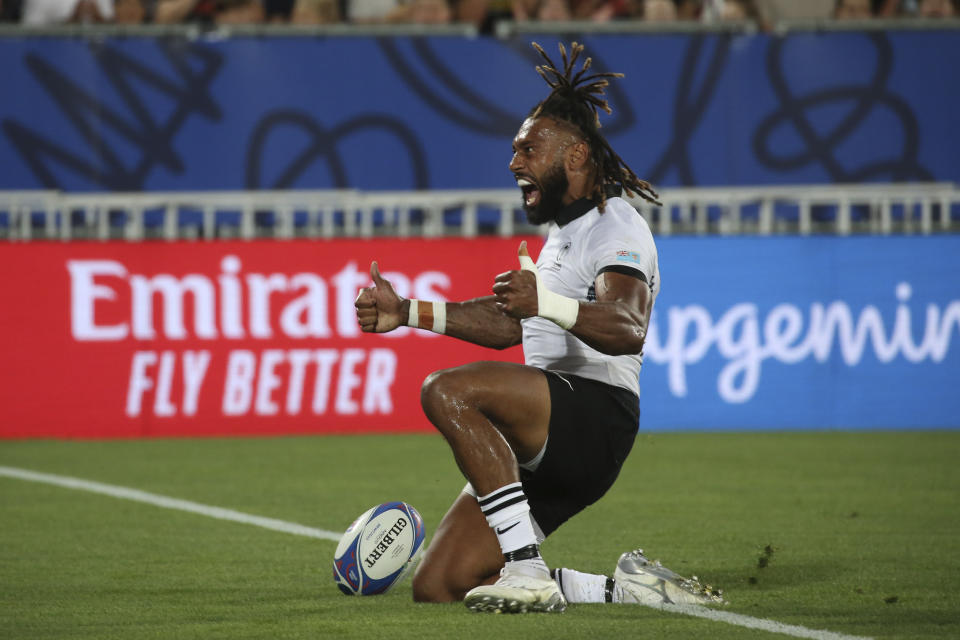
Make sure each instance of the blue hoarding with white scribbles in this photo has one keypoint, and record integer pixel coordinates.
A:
(818, 332)
(113, 113)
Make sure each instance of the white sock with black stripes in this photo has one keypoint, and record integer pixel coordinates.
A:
(586, 587)
(508, 514)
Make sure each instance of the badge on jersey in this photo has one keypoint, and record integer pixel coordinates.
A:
(562, 253)
(558, 259)
(628, 256)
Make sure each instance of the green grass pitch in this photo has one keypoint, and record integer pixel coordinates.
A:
(855, 533)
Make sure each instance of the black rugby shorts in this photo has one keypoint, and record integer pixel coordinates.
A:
(592, 429)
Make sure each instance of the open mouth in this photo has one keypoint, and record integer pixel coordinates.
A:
(531, 192)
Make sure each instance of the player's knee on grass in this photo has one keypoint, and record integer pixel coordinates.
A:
(428, 588)
(432, 584)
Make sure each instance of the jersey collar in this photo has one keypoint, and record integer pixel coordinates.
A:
(579, 207)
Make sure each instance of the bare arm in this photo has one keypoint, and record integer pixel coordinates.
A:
(480, 321)
(616, 324)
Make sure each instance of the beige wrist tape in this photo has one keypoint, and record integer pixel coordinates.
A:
(428, 315)
(559, 309)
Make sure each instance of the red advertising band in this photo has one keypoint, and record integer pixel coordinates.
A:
(231, 338)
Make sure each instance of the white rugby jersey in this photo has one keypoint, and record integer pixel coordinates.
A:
(579, 246)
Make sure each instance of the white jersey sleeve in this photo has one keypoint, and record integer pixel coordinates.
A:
(622, 246)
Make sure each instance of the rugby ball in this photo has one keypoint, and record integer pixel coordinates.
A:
(378, 549)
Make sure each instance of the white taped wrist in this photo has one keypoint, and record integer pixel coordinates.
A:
(439, 317)
(413, 317)
(557, 308)
(428, 315)
(560, 310)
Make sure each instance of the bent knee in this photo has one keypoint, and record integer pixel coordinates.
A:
(475, 382)
(428, 587)
(441, 390)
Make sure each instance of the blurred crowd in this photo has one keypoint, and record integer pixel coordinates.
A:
(482, 13)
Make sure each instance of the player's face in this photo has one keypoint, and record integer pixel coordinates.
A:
(538, 167)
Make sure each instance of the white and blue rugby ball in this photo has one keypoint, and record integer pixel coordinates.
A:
(378, 549)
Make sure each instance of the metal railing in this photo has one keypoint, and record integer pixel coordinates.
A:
(805, 209)
(504, 28)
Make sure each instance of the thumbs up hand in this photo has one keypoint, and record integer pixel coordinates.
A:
(516, 291)
(526, 262)
(522, 294)
(379, 308)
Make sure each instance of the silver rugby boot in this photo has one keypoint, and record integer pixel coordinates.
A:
(648, 582)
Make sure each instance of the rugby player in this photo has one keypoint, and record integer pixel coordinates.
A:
(539, 442)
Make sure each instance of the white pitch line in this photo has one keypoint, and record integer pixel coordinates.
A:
(165, 502)
(749, 622)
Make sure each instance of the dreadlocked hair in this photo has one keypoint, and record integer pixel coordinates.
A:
(577, 98)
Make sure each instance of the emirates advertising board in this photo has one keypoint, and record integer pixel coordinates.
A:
(171, 339)
(232, 338)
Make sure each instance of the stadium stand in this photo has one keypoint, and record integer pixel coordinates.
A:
(924, 208)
